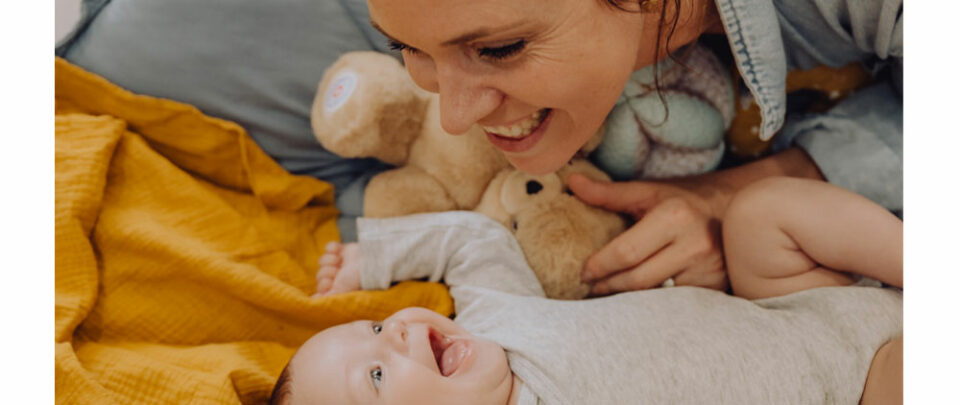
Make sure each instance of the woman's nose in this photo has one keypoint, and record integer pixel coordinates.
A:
(464, 100)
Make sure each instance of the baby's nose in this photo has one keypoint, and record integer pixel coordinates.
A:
(397, 333)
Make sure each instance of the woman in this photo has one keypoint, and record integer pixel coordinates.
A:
(540, 78)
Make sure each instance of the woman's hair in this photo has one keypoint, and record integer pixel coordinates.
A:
(618, 4)
(661, 39)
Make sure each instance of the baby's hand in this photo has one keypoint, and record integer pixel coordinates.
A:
(339, 269)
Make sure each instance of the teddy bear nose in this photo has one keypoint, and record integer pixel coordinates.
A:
(534, 187)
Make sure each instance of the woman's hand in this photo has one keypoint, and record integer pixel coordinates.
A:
(677, 235)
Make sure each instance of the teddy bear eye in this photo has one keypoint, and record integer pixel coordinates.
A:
(534, 187)
(514, 225)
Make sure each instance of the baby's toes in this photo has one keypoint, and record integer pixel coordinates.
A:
(327, 272)
(323, 285)
(333, 247)
(329, 259)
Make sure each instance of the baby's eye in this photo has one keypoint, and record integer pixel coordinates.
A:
(377, 376)
(377, 327)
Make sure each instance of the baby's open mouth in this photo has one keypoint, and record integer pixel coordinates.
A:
(448, 353)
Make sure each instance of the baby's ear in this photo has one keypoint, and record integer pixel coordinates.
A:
(366, 105)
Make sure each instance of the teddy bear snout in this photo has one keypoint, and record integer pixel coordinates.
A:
(534, 187)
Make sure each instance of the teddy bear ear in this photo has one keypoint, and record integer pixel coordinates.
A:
(584, 167)
(491, 203)
(366, 105)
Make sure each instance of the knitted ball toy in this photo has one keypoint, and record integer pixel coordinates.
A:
(675, 132)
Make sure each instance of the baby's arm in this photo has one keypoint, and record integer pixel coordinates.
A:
(784, 235)
(460, 248)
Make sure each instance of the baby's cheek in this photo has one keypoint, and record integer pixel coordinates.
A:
(412, 383)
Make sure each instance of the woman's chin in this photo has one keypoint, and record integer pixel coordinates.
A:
(537, 165)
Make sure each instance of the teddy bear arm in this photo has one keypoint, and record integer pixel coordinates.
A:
(366, 105)
(552, 239)
(404, 191)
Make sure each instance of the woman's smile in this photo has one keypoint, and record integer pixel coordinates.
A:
(521, 136)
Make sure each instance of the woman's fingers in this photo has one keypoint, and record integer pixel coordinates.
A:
(706, 273)
(674, 239)
(627, 250)
(629, 197)
(651, 273)
(663, 225)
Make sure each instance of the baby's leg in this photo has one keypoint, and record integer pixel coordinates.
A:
(337, 259)
(783, 235)
(885, 378)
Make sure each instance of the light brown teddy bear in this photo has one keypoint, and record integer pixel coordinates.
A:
(367, 106)
(556, 230)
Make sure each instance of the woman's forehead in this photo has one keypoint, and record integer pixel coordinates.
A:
(448, 20)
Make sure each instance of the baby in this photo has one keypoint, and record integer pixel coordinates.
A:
(510, 345)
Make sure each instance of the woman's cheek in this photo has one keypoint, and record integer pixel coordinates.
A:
(422, 71)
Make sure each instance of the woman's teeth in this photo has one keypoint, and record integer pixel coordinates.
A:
(522, 128)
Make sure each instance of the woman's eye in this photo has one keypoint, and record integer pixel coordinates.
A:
(377, 376)
(502, 52)
(397, 46)
(377, 327)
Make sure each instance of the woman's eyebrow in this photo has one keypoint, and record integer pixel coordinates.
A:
(470, 36)
(390, 37)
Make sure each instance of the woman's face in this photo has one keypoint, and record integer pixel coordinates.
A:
(539, 76)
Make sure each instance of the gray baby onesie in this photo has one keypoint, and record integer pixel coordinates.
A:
(680, 345)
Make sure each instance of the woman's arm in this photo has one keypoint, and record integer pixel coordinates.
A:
(718, 188)
(857, 145)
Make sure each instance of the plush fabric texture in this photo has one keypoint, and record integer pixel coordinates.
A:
(256, 63)
(185, 256)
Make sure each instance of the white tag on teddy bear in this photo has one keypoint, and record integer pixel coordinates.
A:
(341, 87)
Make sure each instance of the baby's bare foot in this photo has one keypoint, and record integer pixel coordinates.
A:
(339, 269)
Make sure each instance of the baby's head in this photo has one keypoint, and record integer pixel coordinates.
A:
(415, 356)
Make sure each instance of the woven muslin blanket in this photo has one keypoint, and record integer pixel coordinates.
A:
(185, 256)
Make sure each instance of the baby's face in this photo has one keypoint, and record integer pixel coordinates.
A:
(415, 356)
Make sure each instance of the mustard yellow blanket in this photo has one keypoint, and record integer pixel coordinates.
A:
(185, 256)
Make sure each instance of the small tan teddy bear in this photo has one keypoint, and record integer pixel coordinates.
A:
(556, 231)
(367, 106)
